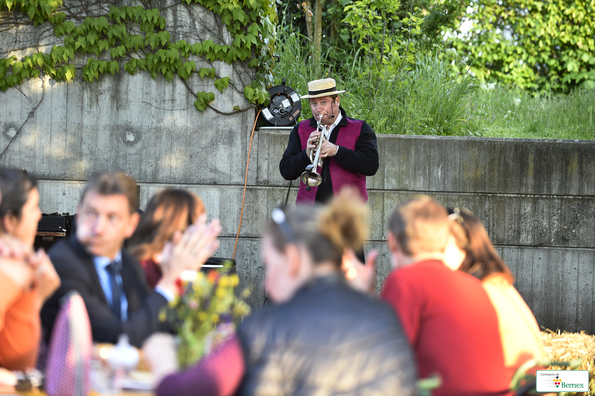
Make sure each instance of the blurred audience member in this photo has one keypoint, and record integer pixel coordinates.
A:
(27, 279)
(321, 336)
(447, 315)
(471, 251)
(169, 211)
(110, 280)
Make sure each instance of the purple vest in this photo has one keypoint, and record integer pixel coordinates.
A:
(340, 176)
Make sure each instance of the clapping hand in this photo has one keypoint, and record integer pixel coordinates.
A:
(189, 250)
(360, 276)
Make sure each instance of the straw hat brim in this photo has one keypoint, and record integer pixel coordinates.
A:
(322, 95)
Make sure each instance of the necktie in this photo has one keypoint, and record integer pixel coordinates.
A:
(114, 269)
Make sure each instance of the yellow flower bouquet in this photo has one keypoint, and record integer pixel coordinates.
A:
(205, 314)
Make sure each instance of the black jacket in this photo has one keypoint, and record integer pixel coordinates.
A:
(364, 159)
(77, 272)
(327, 340)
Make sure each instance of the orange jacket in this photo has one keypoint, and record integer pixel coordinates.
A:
(20, 327)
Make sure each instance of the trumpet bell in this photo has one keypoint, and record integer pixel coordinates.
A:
(311, 178)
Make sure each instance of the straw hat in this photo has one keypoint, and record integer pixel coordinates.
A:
(320, 88)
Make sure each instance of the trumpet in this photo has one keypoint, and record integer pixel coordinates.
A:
(310, 177)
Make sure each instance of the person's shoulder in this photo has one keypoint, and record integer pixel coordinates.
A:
(130, 258)
(255, 329)
(307, 123)
(370, 306)
(258, 318)
(64, 253)
(424, 272)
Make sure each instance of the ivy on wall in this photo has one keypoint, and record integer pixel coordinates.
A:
(136, 37)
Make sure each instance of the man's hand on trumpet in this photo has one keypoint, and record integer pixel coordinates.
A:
(328, 149)
(312, 143)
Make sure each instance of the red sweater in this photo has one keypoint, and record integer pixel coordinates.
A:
(452, 326)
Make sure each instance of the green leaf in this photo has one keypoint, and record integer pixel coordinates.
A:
(81, 42)
(102, 66)
(91, 39)
(199, 105)
(189, 66)
(207, 45)
(59, 30)
(203, 99)
(151, 39)
(206, 72)
(68, 27)
(38, 59)
(196, 49)
(114, 67)
(131, 66)
(31, 12)
(103, 45)
(69, 72)
(222, 83)
(17, 67)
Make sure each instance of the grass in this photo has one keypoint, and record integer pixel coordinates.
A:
(502, 112)
(428, 100)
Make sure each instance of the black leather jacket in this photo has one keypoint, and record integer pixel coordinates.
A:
(327, 340)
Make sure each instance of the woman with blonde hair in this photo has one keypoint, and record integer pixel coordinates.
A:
(471, 251)
(170, 211)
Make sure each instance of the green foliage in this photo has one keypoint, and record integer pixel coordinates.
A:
(203, 99)
(38, 11)
(438, 16)
(498, 111)
(433, 99)
(430, 17)
(426, 100)
(250, 24)
(384, 41)
(535, 45)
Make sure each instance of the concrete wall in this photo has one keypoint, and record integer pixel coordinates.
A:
(535, 197)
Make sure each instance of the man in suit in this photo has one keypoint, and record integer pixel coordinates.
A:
(110, 280)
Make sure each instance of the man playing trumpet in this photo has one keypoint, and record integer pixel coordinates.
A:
(349, 150)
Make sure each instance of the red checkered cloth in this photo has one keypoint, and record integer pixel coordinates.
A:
(69, 359)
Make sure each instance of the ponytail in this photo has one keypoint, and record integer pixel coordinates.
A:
(325, 231)
(343, 222)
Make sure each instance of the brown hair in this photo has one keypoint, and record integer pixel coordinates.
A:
(15, 185)
(161, 218)
(325, 231)
(420, 226)
(481, 259)
(113, 183)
